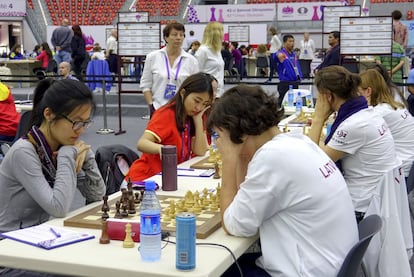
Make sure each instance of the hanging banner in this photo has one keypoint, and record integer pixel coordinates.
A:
(231, 13)
(12, 8)
(410, 27)
(303, 11)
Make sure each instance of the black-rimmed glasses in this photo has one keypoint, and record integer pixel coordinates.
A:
(76, 125)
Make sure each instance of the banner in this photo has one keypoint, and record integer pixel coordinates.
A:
(231, 13)
(410, 27)
(303, 11)
(12, 8)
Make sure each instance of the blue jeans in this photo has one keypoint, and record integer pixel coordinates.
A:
(62, 56)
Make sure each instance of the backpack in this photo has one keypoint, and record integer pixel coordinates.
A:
(113, 163)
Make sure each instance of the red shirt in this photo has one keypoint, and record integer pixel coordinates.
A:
(9, 117)
(162, 125)
(44, 58)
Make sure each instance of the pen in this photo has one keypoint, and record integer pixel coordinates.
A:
(56, 233)
(186, 169)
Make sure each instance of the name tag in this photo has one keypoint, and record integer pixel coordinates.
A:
(170, 91)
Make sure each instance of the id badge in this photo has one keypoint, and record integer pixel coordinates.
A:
(170, 90)
(305, 51)
(296, 72)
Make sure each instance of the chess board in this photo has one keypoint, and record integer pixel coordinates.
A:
(206, 222)
(203, 164)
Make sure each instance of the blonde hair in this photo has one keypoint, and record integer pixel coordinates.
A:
(213, 36)
(261, 49)
(379, 90)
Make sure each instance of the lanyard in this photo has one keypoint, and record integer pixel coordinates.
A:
(186, 130)
(290, 56)
(168, 67)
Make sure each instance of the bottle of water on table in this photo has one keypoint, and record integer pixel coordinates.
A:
(290, 96)
(150, 226)
(299, 104)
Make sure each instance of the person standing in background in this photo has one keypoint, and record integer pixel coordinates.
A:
(400, 30)
(307, 48)
(78, 51)
(61, 41)
(10, 118)
(275, 45)
(112, 51)
(165, 69)
(209, 54)
(394, 63)
(288, 67)
(333, 56)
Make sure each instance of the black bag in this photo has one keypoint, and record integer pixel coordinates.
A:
(113, 163)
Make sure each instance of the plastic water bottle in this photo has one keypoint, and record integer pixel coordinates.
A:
(290, 96)
(150, 228)
(299, 104)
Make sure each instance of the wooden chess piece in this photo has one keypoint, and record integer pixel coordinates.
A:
(131, 205)
(105, 205)
(216, 171)
(118, 210)
(128, 242)
(124, 212)
(105, 214)
(104, 236)
(137, 199)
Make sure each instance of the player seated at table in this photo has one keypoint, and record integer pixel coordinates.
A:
(359, 140)
(180, 122)
(399, 120)
(281, 185)
(9, 117)
(16, 52)
(42, 170)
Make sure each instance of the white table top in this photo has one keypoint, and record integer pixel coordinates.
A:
(89, 258)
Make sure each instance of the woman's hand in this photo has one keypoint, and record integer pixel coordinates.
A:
(82, 149)
(323, 107)
(199, 117)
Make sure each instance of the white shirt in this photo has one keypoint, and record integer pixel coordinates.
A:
(401, 124)
(369, 145)
(112, 44)
(155, 74)
(275, 44)
(307, 48)
(211, 63)
(297, 199)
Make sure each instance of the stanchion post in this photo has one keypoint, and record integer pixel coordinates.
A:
(105, 129)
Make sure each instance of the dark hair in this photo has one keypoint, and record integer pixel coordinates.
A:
(339, 81)
(46, 47)
(77, 31)
(286, 37)
(172, 26)
(396, 14)
(196, 83)
(244, 110)
(336, 34)
(60, 96)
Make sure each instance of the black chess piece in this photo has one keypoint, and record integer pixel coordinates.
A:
(137, 199)
(124, 212)
(118, 210)
(105, 205)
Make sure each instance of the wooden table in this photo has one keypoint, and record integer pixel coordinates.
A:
(89, 258)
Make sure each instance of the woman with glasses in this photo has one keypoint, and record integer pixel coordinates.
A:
(42, 171)
(180, 122)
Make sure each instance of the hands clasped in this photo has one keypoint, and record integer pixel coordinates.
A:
(82, 149)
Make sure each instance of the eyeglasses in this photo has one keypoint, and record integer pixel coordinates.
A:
(76, 125)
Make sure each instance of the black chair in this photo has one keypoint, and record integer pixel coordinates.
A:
(50, 71)
(22, 129)
(262, 63)
(410, 180)
(367, 228)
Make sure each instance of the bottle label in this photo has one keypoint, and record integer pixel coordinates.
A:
(150, 222)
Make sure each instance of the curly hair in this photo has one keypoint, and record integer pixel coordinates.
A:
(245, 110)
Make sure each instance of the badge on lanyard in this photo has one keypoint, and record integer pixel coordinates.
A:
(170, 91)
(305, 51)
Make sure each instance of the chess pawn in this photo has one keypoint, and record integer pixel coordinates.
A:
(128, 242)
(104, 236)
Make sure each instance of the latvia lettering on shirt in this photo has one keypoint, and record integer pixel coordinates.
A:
(328, 169)
(404, 114)
(382, 129)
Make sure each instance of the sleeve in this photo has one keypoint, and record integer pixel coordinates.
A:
(90, 182)
(55, 201)
(348, 137)
(161, 124)
(258, 199)
(146, 78)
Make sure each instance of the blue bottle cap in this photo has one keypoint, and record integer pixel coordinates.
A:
(150, 185)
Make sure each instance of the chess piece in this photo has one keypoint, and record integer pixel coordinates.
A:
(105, 205)
(216, 171)
(118, 208)
(137, 199)
(124, 212)
(128, 242)
(104, 236)
(131, 203)
(105, 214)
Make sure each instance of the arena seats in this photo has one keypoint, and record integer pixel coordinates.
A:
(165, 8)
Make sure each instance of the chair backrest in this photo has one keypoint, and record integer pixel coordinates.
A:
(24, 124)
(52, 66)
(367, 228)
(410, 179)
(262, 62)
